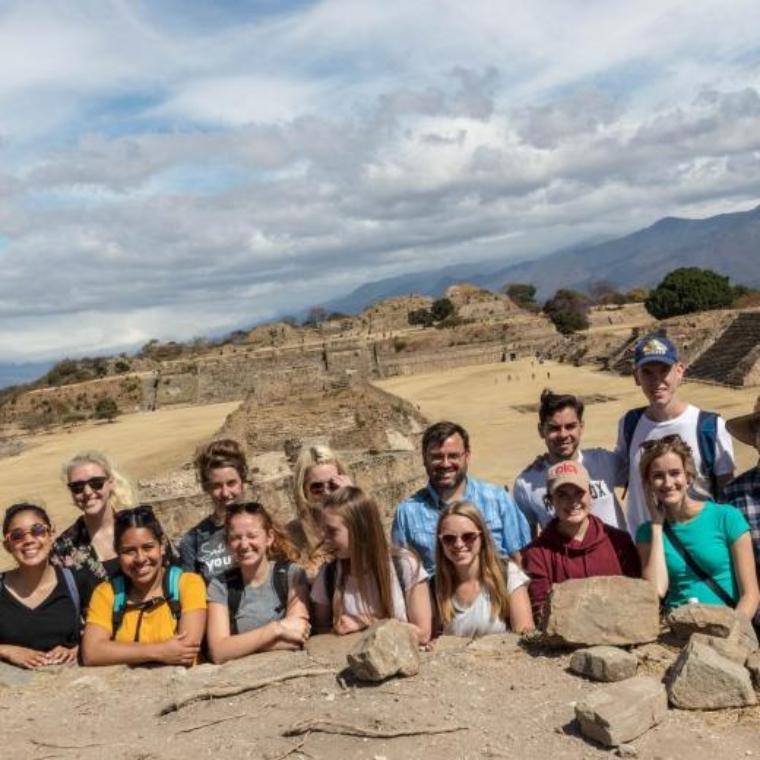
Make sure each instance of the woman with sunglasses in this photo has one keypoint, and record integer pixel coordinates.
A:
(262, 603)
(151, 612)
(692, 549)
(98, 490)
(222, 471)
(368, 580)
(575, 544)
(39, 603)
(475, 593)
(317, 473)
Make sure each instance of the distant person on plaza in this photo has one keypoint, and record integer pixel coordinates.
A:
(318, 472)
(575, 543)
(98, 491)
(262, 603)
(692, 549)
(151, 611)
(658, 371)
(40, 605)
(222, 470)
(744, 490)
(560, 424)
(446, 456)
(368, 580)
(475, 592)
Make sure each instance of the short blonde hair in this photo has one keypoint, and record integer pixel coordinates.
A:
(122, 495)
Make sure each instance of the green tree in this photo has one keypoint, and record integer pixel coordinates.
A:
(568, 310)
(523, 294)
(689, 289)
(106, 409)
(442, 308)
(421, 317)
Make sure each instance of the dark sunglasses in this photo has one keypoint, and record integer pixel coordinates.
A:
(322, 486)
(96, 484)
(666, 439)
(17, 535)
(450, 539)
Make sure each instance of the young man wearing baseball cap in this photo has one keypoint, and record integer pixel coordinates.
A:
(658, 371)
(744, 490)
(575, 544)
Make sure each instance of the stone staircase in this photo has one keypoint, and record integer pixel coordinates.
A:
(732, 355)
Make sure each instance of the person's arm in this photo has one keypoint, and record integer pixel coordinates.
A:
(62, 655)
(520, 613)
(224, 646)
(540, 580)
(652, 555)
(419, 611)
(98, 649)
(746, 575)
(23, 657)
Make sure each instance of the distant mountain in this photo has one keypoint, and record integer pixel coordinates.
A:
(14, 374)
(728, 243)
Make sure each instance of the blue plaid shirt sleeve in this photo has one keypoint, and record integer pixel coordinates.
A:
(744, 493)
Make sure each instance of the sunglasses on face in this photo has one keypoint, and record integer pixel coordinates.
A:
(17, 535)
(450, 539)
(318, 487)
(96, 484)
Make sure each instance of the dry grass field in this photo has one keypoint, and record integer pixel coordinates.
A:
(485, 399)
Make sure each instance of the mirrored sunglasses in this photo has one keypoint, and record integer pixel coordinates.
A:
(38, 530)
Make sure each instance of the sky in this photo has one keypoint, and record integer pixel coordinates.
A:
(172, 169)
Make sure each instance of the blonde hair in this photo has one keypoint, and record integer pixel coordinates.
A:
(307, 513)
(369, 552)
(491, 575)
(656, 448)
(122, 494)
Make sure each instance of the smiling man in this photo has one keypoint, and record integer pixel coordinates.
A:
(446, 456)
(658, 372)
(560, 424)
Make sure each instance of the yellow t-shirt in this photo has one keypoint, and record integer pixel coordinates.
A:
(157, 624)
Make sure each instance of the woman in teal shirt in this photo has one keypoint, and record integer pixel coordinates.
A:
(692, 549)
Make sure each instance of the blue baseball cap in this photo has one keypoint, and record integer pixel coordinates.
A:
(654, 348)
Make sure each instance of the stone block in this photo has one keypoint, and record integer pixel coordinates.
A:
(330, 649)
(612, 610)
(655, 653)
(702, 679)
(712, 620)
(604, 663)
(388, 648)
(11, 676)
(753, 666)
(621, 712)
(727, 648)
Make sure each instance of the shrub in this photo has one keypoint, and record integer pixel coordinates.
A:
(106, 409)
(689, 289)
(568, 310)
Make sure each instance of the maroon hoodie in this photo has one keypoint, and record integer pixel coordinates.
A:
(552, 558)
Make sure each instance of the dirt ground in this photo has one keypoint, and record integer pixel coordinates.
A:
(504, 438)
(503, 702)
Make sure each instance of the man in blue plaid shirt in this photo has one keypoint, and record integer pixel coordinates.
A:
(446, 455)
(744, 490)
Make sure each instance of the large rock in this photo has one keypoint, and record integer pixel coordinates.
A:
(702, 679)
(712, 620)
(387, 649)
(753, 666)
(727, 648)
(606, 610)
(604, 663)
(623, 711)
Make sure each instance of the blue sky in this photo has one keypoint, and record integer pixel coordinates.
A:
(173, 169)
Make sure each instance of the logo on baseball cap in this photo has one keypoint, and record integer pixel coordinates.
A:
(567, 472)
(655, 348)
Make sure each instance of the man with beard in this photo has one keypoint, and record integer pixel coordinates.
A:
(446, 456)
(560, 424)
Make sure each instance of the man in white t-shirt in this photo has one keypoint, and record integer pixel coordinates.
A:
(658, 372)
(560, 424)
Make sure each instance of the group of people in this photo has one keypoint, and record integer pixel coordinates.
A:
(465, 557)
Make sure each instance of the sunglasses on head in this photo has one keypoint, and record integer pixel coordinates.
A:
(96, 484)
(666, 439)
(38, 530)
(450, 539)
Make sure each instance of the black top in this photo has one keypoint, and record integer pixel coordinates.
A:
(52, 623)
(203, 549)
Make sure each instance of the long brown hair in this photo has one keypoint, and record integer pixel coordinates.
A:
(369, 553)
(281, 547)
(656, 448)
(491, 575)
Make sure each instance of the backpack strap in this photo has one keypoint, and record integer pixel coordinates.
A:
(172, 575)
(630, 421)
(73, 591)
(710, 582)
(119, 585)
(707, 440)
(233, 580)
(280, 582)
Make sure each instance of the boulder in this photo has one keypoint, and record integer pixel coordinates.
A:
(753, 666)
(388, 648)
(702, 679)
(604, 663)
(655, 654)
(727, 648)
(611, 610)
(621, 712)
(712, 620)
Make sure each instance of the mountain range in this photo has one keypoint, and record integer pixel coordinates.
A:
(727, 243)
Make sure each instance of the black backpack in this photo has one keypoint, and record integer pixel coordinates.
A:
(233, 580)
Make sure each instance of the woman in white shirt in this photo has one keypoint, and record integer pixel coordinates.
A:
(475, 593)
